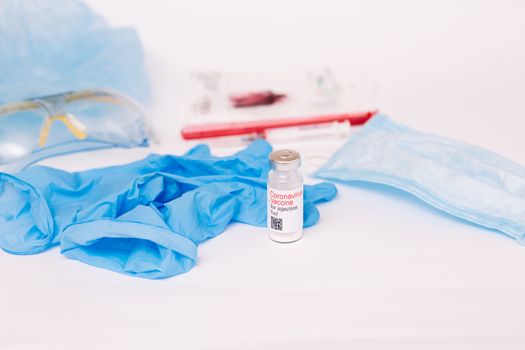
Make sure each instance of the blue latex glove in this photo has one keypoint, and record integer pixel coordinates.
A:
(144, 218)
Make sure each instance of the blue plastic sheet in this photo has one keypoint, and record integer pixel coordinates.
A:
(53, 46)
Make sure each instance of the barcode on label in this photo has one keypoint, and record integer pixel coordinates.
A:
(277, 224)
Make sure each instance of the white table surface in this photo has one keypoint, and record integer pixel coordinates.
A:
(380, 270)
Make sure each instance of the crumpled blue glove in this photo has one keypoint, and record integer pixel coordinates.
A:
(145, 218)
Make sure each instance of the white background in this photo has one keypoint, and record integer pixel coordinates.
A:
(380, 270)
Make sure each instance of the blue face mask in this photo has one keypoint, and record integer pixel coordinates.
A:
(145, 218)
(462, 180)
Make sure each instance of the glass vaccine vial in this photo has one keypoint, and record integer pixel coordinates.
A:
(285, 196)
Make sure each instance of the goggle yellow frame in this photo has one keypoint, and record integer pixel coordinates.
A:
(75, 127)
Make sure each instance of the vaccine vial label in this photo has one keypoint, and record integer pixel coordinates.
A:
(285, 210)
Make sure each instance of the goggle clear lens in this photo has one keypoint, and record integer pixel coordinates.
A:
(19, 132)
(85, 115)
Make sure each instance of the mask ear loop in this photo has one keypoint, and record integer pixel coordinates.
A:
(317, 160)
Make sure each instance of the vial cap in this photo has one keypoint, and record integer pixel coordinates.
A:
(285, 159)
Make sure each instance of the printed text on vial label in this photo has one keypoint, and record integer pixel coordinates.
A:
(285, 212)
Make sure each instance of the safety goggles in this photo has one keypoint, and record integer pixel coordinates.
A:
(75, 121)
